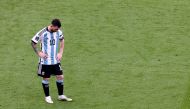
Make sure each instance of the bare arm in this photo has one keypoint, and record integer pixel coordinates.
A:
(59, 55)
(61, 46)
(39, 53)
(34, 46)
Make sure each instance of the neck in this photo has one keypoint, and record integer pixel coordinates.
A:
(49, 28)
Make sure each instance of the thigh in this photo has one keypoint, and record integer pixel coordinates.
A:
(46, 71)
(58, 70)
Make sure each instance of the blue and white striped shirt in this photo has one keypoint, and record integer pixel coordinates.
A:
(49, 45)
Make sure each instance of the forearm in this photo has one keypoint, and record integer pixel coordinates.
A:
(61, 46)
(34, 46)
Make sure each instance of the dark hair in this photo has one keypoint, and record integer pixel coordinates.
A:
(56, 22)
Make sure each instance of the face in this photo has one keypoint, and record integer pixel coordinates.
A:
(54, 28)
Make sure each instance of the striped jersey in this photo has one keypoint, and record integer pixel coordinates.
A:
(49, 42)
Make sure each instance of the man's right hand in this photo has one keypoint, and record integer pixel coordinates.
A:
(42, 55)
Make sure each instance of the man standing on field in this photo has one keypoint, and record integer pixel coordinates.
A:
(50, 57)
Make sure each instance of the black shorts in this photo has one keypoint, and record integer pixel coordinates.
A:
(47, 70)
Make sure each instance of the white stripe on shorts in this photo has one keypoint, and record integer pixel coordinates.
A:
(39, 68)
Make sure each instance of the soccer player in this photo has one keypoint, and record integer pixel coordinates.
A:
(49, 57)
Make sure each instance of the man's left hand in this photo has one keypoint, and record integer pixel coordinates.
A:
(59, 56)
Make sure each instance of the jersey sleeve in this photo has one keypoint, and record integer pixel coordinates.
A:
(38, 35)
(61, 36)
(36, 38)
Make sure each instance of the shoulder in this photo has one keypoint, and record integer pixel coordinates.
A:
(42, 31)
(60, 31)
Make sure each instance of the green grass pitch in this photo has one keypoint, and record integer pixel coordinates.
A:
(119, 54)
